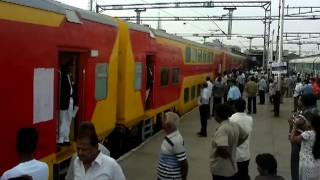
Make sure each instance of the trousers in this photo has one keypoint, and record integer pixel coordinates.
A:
(65, 122)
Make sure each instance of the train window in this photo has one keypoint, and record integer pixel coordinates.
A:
(101, 81)
(186, 95)
(175, 75)
(204, 57)
(209, 57)
(193, 92)
(188, 54)
(138, 76)
(199, 56)
(164, 77)
(194, 55)
(198, 90)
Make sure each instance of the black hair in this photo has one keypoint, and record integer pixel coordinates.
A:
(26, 140)
(315, 123)
(298, 79)
(223, 111)
(208, 78)
(24, 177)
(87, 130)
(219, 79)
(240, 105)
(309, 100)
(267, 162)
(205, 85)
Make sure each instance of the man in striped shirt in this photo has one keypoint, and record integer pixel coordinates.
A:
(173, 164)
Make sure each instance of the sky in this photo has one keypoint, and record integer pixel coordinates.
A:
(242, 27)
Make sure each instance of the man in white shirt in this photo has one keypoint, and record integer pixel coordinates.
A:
(297, 93)
(243, 151)
(204, 109)
(70, 173)
(210, 88)
(27, 139)
(91, 164)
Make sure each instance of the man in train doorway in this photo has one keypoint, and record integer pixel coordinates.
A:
(65, 106)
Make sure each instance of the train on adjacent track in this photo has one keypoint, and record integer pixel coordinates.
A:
(125, 76)
(306, 65)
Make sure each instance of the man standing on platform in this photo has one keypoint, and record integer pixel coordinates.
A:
(92, 164)
(173, 162)
(218, 92)
(210, 86)
(243, 151)
(233, 93)
(27, 139)
(251, 89)
(204, 109)
(297, 93)
(262, 90)
(224, 145)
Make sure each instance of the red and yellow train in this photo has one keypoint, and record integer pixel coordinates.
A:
(125, 76)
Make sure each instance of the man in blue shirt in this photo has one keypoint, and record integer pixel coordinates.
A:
(234, 92)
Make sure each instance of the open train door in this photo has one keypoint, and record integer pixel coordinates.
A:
(70, 98)
(149, 82)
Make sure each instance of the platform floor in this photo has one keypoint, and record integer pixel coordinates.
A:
(269, 136)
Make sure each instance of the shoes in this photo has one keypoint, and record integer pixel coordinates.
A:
(64, 144)
(201, 135)
(249, 113)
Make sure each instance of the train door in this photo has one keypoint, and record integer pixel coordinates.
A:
(68, 96)
(149, 82)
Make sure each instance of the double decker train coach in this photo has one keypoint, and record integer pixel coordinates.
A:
(125, 76)
(39, 40)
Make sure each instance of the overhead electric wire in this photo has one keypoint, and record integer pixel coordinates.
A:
(176, 16)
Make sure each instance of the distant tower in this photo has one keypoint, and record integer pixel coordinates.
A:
(159, 21)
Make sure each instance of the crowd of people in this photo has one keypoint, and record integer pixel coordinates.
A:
(304, 133)
(230, 146)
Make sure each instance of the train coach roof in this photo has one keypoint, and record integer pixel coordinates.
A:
(306, 60)
(60, 8)
(164, 34)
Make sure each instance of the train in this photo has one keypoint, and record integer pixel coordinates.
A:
(306, 65)
(125, 77)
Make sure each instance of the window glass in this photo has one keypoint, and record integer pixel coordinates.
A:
(138, 76)
(186, 95)
(198, 90)
(175, 75)
(194, 55)
(101, 81)
(188, 54)
(204, 57)
(193, 92)
(164, 77)
(199, 56)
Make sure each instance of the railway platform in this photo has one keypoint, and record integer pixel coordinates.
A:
(269, 135)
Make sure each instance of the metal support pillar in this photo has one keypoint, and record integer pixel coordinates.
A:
(230, 14)
(204, 39)
(267, 23)
(250, 43)
(299, 44)
(138, 11)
